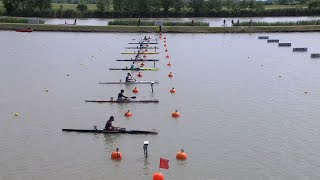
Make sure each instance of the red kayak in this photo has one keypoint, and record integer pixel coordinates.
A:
(24, 30)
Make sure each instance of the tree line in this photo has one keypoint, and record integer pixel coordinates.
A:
(159, 8)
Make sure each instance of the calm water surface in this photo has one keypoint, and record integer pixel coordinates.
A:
(240, 120)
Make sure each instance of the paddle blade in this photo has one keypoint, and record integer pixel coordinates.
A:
(133, 97)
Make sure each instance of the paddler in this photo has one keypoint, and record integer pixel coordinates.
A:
(109, 126)
(134, 67)
(129, 78)
(121, 96)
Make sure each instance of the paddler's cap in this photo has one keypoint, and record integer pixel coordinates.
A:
(112, 118)
(122, 90)
(146, 142)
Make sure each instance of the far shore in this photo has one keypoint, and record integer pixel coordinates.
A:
(165, 29)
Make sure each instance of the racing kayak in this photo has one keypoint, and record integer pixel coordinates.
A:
(137, 60)
(24, 30)
(142, 47)
(120, 131)
(140, 53)
(144, 43)
(131, 82)
(140, 69)
(123, 101)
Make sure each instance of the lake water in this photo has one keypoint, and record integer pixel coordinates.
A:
(213, 22)
(239, 119)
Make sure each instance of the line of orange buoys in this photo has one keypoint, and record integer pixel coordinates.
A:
(181, 155)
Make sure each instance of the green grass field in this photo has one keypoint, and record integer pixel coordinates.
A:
(56, 6)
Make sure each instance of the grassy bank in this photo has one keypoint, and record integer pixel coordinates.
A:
(16, 20)
(135, 22)
(168, 29)
(56, 6)
(297, 23)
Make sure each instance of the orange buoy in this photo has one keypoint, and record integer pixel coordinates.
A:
(158, 176)
(135, 90)
(176, 114)
(181, 155)
(167, 56)
(128, 114)
(166, 50)
(173, 90)
(116, 155)
(170, 75)
(139, 74)
(142, 64)
(169, 64)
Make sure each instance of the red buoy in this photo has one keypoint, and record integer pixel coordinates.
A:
(167, 56)
(116, 155)
(158, 176)
(173, 90)
(139, 74)
(169, 64)
(165, 38)
(128, 114)
(166, 50)
(165, 45)
(181, 155)
(170, 75)
(144, 56)
(135, 90)
(142, 64)
(175, 114)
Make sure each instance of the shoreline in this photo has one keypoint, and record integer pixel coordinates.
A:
(165, 29)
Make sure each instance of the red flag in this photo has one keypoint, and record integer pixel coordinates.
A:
(164, 163)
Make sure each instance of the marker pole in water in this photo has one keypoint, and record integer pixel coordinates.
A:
(145, 148)
(152, 86)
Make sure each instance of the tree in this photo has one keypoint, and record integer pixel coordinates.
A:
(82, 6)
(42, 4)
(10, 5)
(101, 5)
(166, 4)
(197, 6)
(214, 5)
(314, 4)
(118, 5)
(178, 5)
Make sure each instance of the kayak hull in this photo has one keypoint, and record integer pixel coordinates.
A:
(123, 101)
(138, 60)
(24, 30)
(133, 82)
(140, 53)
(101, 131)
(140, 69)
